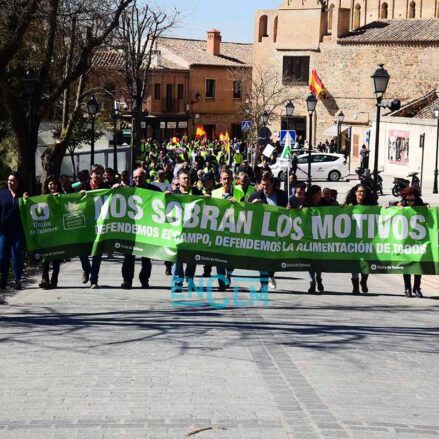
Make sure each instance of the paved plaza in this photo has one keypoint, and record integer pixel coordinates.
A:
(77, 362)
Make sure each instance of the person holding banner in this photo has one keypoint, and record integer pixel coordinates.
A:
(268, 195)
(91, 271)
(50, 187)
(139, 177)
(225, 192)
(11, 231)
(360, 195)
(411, 197)
(313, 198)
(178, 272)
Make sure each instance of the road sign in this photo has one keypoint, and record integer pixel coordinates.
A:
(246, 125)
(284, 134)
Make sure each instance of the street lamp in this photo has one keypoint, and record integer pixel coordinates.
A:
(194, 101)
(31, 83)
(436, 115)
(340, 120)
(265, 116)
(289, 110)
(92, 108)
(380, 80)
(115, 114)
(311, 103)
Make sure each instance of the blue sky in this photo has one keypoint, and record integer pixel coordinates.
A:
(234, 18)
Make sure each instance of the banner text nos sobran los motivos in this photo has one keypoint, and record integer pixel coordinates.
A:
(240, 235)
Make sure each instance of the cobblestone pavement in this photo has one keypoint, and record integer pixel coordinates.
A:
(82, 363)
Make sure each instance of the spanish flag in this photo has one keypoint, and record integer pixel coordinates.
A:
(315, 84)
(200, 132)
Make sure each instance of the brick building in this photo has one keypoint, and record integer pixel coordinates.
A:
(344, 41)
(191, 82)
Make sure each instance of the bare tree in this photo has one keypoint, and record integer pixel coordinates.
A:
(57, 38)
(140, 28)
(265, 91)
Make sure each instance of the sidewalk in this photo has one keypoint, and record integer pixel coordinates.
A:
(82, 363)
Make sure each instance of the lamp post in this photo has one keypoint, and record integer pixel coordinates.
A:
(115, 114)
(92, 108)
(311, 103)
(340, 120)
(289, 110)
(436, 115)
(31, 85)
(194, 101)
(265, 116)
(380, 80)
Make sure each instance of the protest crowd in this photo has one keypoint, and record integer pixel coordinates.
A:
(231, 170)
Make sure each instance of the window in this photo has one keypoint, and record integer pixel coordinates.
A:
(237, 90)
(210, 88)
(303, 159)
(169, 96)
(295, 69)
(330, 17)
(318, 158)
(180, 91)
(330, 158)
(412, 10)
(157, 91)
(357, 16)
(263, 27)
(383, 14)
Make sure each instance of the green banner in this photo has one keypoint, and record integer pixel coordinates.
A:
(241, 235)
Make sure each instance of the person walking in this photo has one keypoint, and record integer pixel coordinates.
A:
(313, 198)
(11, 231)
(129, 261)
(51, 187)
(267, 194)
(178, 272)
(411, 197)
(225, 192)
(360, 195)
(91, 271)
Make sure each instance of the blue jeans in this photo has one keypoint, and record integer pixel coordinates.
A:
(93, 269)
(178, 273)
(11, 246)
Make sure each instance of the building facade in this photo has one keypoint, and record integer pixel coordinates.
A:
(344, 41)
(191, 82)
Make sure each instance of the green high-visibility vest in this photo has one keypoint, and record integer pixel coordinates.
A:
(244, 195)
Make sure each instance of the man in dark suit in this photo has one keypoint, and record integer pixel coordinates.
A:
(268, 195)
(139, 177)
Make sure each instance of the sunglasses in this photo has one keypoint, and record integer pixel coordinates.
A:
(410, 200)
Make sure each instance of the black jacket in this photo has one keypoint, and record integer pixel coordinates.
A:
(10, 220)
(282, 198)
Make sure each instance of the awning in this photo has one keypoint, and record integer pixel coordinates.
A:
(332, 130)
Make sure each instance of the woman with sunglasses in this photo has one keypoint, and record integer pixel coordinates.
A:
(411, 197)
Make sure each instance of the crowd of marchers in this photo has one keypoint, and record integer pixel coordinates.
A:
(200, 168)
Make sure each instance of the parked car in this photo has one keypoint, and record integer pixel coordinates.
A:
(324, 166)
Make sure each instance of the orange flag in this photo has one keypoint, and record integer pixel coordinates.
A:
(315, 84)
(200, 132)
(227, 142)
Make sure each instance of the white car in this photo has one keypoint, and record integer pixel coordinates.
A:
(324, 166)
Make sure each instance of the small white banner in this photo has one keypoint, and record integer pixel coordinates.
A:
(268, 150)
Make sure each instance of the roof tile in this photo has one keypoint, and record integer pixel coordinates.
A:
(401, 31)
